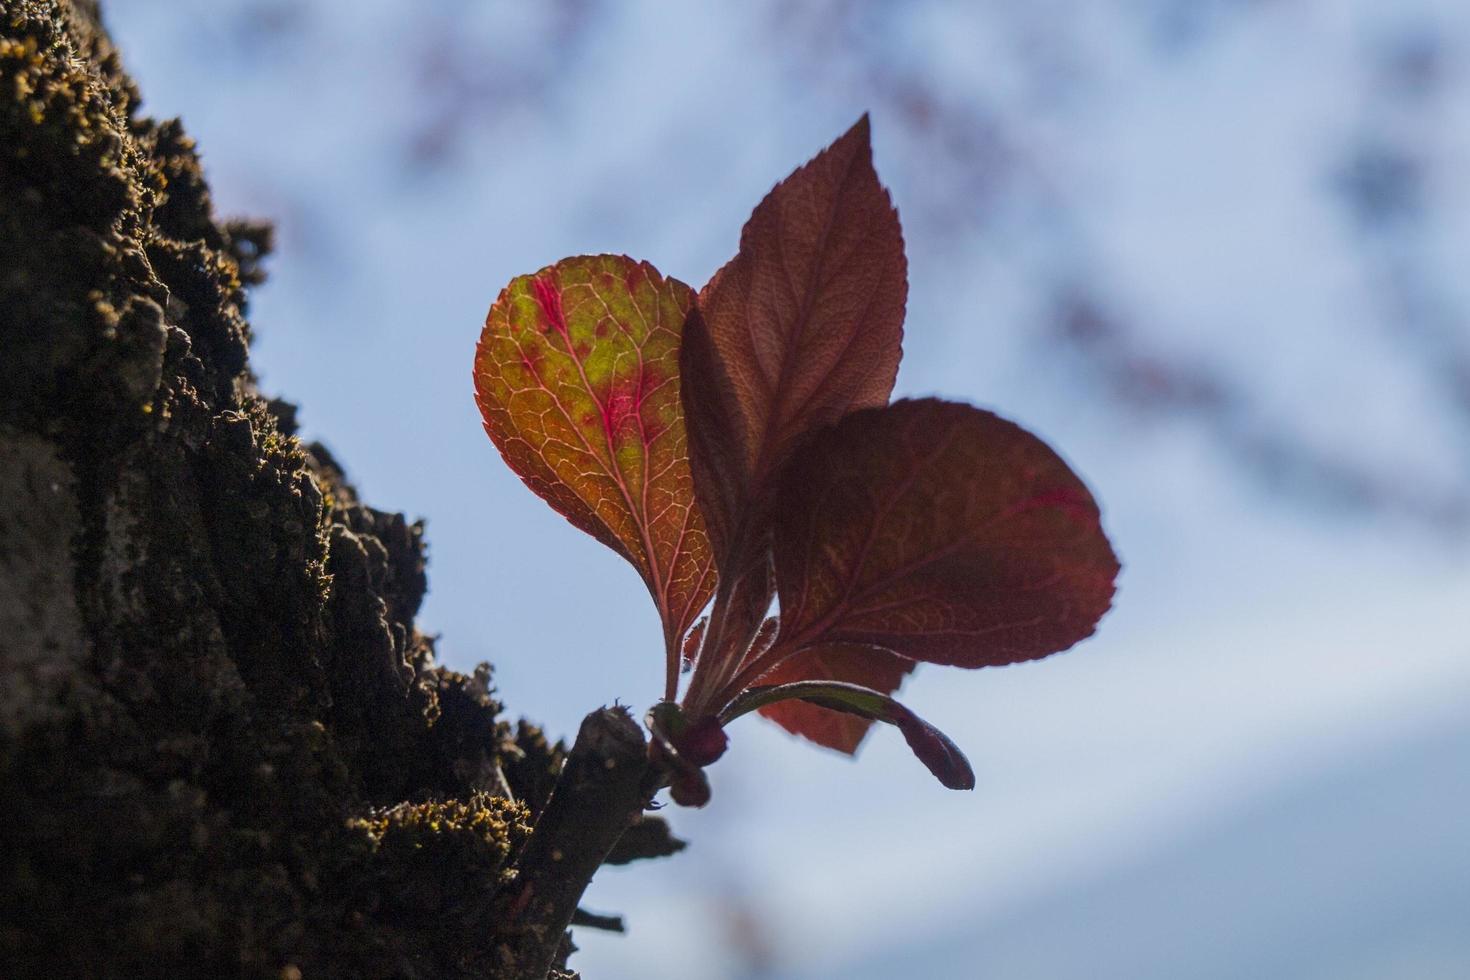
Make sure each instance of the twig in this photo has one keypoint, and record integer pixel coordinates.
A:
(601, 792)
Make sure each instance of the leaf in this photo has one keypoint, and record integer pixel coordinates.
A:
(943, 533)
(870, 667)
(577, 377)
(801, 327)
(940, 755)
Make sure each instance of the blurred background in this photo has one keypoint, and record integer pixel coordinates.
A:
(1214, 251)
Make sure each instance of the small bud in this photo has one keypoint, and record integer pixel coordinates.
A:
(703, 742)
(690, 789)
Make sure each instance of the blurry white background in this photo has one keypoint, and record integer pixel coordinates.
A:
(1215, 251)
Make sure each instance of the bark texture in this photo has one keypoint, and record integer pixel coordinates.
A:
(225, 750)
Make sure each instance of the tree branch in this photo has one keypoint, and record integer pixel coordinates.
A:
(601, 792)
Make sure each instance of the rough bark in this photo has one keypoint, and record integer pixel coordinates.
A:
(225, 750)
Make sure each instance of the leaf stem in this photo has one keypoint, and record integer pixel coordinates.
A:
(707, 669)
(672, 650)
(751, 672)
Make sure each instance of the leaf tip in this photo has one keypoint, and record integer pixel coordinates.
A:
(858, 140)
(938, 753)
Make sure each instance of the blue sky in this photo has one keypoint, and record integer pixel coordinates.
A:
(1271, 718)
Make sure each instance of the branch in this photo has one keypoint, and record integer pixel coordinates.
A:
(601, 792)
(648, 837)
(595, 920)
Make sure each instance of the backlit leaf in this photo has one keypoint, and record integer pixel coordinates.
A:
(577, 377)
(801, 327)
(940, 755)
(869, 667)
(941, 532)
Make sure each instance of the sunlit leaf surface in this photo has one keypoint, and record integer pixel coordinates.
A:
(577, 377)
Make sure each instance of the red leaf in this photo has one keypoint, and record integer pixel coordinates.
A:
(936, 751)
(577, 377)
(869, 667)
(941, 532)
(939, 754)
(801, 327)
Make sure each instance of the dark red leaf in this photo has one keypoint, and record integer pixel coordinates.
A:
(801, 327)
(936, 751)
(869, 667)
(941, 532)
(932, 747)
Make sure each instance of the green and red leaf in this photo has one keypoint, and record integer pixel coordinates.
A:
(869, 667)
(801, 327)
(577, 378)
(941, 532)
(932, 747)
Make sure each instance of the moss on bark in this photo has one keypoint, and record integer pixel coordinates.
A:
(225, 749)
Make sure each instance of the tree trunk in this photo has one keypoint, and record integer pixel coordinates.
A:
(224, 747)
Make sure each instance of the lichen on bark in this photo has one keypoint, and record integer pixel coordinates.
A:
(225, 749)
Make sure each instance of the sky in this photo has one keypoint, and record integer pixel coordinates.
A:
(1255, 768)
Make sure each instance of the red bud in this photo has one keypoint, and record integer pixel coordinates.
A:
(703, 742)
(690, 788)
